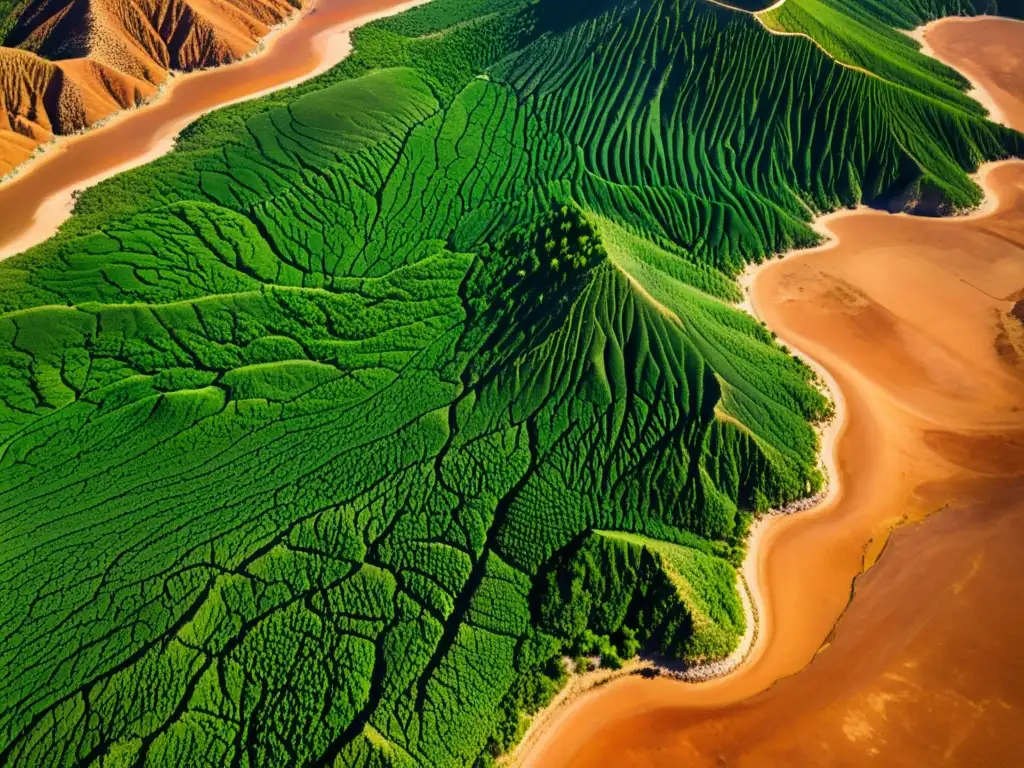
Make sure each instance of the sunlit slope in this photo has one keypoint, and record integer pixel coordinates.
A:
(143, 38)
(907, 14)
(593, 583)
(870, 35)
(65, 65)
(39, 99)
(326, 436)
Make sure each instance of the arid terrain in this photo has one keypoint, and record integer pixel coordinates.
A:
(914, 320)
(36, 202)
(67, 64)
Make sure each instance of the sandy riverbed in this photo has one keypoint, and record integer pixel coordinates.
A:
(911, 318)
(37, 200)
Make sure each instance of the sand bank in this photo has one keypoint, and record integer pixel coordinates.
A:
(982, 58)
(40, 197)
(910, 318)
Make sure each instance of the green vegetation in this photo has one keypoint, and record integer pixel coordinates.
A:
(10, 12)
(324, 438)
(907, 14)
(617, 591)
(863, 34)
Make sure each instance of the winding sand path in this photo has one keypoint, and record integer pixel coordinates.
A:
(911, 317)
(39, 198)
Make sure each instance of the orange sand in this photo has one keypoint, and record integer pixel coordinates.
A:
(978, 48)
(911, 317)
(110, 54)
(39, 199)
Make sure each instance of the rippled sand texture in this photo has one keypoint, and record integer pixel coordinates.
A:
(913, 318)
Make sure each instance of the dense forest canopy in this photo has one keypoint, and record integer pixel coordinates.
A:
(324, 438)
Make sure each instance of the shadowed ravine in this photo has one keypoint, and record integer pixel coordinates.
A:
(912, 318)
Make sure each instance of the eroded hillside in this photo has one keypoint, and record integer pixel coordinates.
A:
(40, 99)
(67, 64)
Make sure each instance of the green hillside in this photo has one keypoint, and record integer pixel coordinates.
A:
(325, 437)
(870, 35)
(9, 13)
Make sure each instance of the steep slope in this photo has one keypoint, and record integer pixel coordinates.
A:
(323, 438)
(863, 33)
(146, 38)
(108, 54)
(39, 99)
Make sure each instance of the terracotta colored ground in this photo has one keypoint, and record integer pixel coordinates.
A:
(983, 49)
(39, 199)
(911, 317)
(110, 54)
(40, 99)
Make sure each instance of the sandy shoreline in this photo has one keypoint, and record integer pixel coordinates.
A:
(978, 91)
(753, 597)
(767, 528)
(59, 143)
(331, 45)
(579, 685)
(547, 729)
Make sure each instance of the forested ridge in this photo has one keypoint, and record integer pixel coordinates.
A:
(324, 438)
